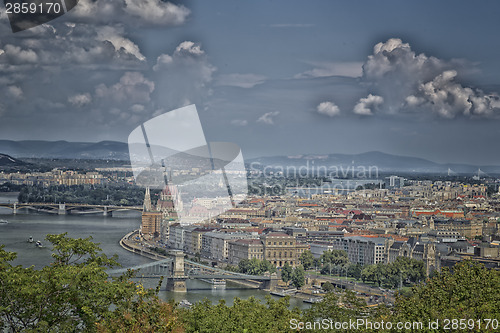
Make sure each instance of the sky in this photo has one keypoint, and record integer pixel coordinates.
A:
(413, 78)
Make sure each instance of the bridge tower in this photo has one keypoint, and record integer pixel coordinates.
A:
(62, 209)
(105, 212)
(177, 280)
(270, 284)
(14, 210)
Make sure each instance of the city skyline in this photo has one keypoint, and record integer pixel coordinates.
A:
(277, 78)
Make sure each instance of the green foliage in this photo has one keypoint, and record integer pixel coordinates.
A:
(298, 277)
(160, 250)
(467, 291)
(307, 259)
(75, 294)
(354, 270)
(125, 195)
(255, 266)
(339, 307)
(286, 272)
(327, 286)
(70, 295)
(403, 271)
(327, 269)
(142, 312)
(249, 315)
(334, 257)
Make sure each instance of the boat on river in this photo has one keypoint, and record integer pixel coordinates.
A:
(185, 303)
(216, 283)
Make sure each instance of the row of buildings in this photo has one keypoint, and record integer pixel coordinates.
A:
(53, 178)
(416, 221)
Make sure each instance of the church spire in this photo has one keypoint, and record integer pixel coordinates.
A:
(147, 201)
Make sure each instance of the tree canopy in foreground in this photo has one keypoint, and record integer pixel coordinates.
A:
(75, 294)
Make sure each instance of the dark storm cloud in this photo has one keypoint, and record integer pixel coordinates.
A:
(87, 68)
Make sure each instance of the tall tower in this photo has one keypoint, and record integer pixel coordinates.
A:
(147, 207)
(151, 220)
(168, 204)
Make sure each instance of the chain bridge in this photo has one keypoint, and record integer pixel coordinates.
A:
(177, 270)
(68, 208)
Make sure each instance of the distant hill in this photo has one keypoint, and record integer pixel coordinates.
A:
(111, 150)
(9, 161)
(382, 161)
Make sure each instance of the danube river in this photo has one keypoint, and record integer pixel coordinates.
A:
(104, 230)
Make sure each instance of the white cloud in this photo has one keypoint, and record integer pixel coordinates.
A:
(365, 106)
(413, 82)
(162, 62)
(448, 98)
(239, 122)
(157, 11)
(326, 69)
(268, 118)
(184, 77)
(132, 88)
(15, 91)
(188, 58)
(137, 108)
(115, 36)
(328, 109)
(80, 99)
(130, 12)
(17, 55)
(189, 48)
(240, 80)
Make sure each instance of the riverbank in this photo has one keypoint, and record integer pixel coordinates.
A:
(129, 243)
(107, 232)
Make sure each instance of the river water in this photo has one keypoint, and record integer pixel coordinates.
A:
(104, 230)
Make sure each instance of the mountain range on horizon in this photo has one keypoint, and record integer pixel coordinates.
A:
(114, 150)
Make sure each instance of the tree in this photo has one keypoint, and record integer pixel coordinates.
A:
(327, 269)
(71, 295)
(403, 270)
(327, 286)
(249, 315)
(338, 307)
(468, 291)
(317, 262)
(307, 259)
(298, 277)
(255, 266)
(334, 257)
(354, 270)
(142, 313)
(286, 272)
